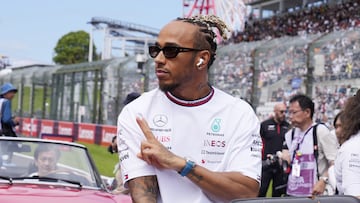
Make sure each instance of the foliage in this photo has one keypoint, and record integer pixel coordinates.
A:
(73, 48)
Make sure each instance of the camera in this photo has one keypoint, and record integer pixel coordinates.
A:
(274, 161)
(276, 164)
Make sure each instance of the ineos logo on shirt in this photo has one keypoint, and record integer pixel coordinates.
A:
(160, 120)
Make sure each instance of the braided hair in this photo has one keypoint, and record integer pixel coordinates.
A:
(206, 38)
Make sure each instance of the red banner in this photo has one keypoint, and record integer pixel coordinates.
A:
(107, 133)
(65, 128)
(29, 127)
(87, 133)
(47, 127)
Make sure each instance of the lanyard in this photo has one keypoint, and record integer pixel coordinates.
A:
(300, 142)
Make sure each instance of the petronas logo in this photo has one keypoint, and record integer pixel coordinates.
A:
(215, 126)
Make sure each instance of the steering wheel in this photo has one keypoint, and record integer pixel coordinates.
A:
(69, 175)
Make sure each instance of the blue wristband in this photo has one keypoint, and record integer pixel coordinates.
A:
(188, 167)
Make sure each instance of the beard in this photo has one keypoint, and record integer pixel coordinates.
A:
(168, 87)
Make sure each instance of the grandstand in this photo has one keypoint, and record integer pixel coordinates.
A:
(131, 37)
(267, 63)
(268, 8)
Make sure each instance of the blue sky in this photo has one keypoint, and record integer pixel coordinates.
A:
(30, 29)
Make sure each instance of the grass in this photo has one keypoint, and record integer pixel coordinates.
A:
(104, 161)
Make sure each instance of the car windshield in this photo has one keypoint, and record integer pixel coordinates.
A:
(37, 160)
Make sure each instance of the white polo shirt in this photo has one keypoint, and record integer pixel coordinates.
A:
(219, 132)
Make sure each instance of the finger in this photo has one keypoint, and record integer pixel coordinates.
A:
(145, 156)
(145, 128)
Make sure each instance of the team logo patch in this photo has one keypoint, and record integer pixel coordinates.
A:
(215, 126)
(160, 120)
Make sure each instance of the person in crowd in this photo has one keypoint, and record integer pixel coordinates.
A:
(187, 141)
(8, 122)
(131, 97)
(309, 147)
(347, 162)
(337, 127)
(272, 132)
(46, 158)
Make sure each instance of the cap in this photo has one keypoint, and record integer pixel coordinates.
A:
(131, 97)
(7, 87)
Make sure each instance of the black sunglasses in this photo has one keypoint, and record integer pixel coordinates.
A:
(168, 51)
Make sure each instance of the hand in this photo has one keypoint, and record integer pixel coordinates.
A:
(319, 188)
(16, 120)
(155, 153)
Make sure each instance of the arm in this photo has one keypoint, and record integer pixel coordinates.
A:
(286, 155)
(233, 184)
(144, 189)
(327, 147)
(7, 117)
(285, 150)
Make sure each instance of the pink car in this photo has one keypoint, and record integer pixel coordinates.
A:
(39, 170)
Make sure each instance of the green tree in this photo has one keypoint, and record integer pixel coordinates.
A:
(73, 48)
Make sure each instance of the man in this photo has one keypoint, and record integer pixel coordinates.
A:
(272, 132)
(8, 122)
(190, 142)
(310, 153)
(46, 158)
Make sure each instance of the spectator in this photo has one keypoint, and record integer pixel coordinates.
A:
(8, 122)
(131, 97)
(347, 168)
(199, 144)
(310, 149)
(337, 127)
(272, 132)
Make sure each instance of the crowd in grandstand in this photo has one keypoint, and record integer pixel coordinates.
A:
(279, 49)
(323, 19)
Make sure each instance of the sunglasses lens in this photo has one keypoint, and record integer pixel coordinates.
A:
(170, 52)
(154, 51)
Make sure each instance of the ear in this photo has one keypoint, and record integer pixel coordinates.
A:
(203, 59)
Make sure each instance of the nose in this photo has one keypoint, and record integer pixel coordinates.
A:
(160, 58)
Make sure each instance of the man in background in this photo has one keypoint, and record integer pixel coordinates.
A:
(309, 147)
(8, 122)
(272, 132)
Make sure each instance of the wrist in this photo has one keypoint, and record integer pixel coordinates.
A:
(189, 166)
(324, 179)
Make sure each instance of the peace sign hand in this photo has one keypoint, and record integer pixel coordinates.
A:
(155, 153)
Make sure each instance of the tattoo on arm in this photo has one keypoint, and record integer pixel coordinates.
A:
(144, 189)
(197, 177)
